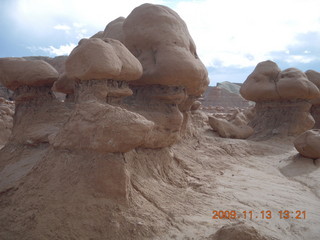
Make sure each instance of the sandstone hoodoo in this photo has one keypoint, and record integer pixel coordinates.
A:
(314, 77)
(173, 75)
(38, 114)
(307, 144)
(101, 69)
(282, 100)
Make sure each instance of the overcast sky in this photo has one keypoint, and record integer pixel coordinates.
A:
(232, 36)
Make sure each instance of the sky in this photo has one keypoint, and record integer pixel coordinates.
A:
(231, 36)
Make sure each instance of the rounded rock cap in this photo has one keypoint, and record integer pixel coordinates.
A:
(160, 39)
(268, 82)
(114, 29)
(314, 77)
(97, 59)
(18, 72)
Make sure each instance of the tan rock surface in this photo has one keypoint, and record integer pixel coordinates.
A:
(314, 77)
(144, 193)
(282, 100)
(64, 84)
(15, 73)
(159, 105)
(102, 128)
(228, 129)
(268, 82)
(6, 120)
(308, 144)
(102, 59)
(239, 231)
(159, 38)
(57, 62)
(114, 30)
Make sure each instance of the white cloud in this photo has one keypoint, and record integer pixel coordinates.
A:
(228, 31)
(299, 58)
(61, 50)
(62, 27)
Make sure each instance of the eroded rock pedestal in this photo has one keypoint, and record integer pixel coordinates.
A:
(285, 118)
(283, 100)
(38, 114)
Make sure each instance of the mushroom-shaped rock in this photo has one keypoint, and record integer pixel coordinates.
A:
(99, 59)
(15, 73)
(173, 75)
(101, 69)
(308, 144)
(159, 38)
(260, 84)
(282, 100)
(38, 113)
(228, 129)
(314, 77)
(114, 29)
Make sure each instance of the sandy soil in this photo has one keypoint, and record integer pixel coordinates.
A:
(171, 192)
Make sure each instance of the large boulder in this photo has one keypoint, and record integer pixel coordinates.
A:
(308, 144)
(228, 129)
(282, 100)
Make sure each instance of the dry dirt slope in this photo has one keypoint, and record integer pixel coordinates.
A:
(51, 194)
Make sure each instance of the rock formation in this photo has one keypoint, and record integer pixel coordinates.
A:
(38, 113)
(57, 62)
(314, 77)
(221, 97)
(308, 144)
(114, 29)
(173, 75)
(228, 129)
(160, 40)
(66, 86)
(101, 69)
(282, 100)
